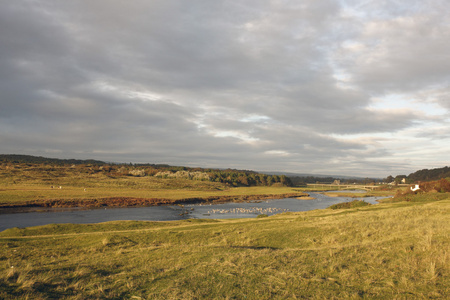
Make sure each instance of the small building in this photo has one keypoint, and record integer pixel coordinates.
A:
(415, 188)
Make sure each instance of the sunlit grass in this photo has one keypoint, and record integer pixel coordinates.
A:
(21, 183)
(23, 193)
(385, 251)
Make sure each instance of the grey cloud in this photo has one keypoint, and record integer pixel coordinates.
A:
(253, 84)
(402, 52)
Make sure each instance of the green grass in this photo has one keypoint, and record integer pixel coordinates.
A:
(352, 204)
(385, 251)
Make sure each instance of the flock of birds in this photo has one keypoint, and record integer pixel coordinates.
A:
(251, 210)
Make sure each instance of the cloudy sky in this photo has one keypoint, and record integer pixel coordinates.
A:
(316, 86)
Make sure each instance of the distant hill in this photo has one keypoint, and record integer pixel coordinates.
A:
(292, 174)
(18, 158)
(229, 176)
(428, 175)
(301, 178)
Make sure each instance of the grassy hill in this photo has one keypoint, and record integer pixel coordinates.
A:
(48, 183)
(386, 251)
(427, 175)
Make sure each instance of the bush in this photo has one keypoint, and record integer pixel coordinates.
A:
(138, 173)
(353, 204)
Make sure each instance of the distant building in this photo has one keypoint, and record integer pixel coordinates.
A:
(337, 182)
(415, 188)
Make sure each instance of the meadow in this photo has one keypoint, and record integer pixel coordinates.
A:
(65, 185)
(386, 251)
(398, 249)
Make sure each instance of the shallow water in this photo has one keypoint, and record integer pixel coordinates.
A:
(268, 207)
(171, 213)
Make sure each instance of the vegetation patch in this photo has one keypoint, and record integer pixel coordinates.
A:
(348, 194)
(51, 170)
(426, 192)
(35, 182)
(352, 204)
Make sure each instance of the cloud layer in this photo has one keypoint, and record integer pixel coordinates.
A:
(331, 87)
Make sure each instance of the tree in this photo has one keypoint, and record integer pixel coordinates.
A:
(399, 179)
(389, 179)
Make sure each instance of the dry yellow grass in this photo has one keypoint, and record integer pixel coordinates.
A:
(386, 251)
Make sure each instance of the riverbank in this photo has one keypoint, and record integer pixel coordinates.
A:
(26, 217)
(43, 204)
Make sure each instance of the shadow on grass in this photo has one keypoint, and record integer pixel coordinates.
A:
(254, 247)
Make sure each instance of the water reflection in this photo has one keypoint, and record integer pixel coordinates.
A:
(268, 207)
(170, 213)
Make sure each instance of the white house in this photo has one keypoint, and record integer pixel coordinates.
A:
(415, 188)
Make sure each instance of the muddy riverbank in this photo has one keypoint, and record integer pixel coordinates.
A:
(44, 204)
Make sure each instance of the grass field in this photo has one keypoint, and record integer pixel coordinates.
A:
(22, 193)
(20, 184)
(393, 250)
(387, 251)
(24, 183)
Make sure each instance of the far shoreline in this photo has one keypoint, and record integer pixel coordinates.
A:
(124, 202)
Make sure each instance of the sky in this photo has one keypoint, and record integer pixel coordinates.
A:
(343, 87)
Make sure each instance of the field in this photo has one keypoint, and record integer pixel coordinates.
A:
(53, 185)
(387, 251)
(393, 250)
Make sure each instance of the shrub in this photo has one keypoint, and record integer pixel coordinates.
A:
(137, 172)
(353, 204)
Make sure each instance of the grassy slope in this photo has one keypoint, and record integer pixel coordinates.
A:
(21, 183)
(22, 193)
(395, 250)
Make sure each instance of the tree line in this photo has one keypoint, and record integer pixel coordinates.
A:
(27, 159)
(231, 177)
(421, 175)
(248, 178)
(303, 180)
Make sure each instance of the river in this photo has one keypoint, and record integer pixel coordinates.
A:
(171, 213)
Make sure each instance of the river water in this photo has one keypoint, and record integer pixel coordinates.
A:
(171, 213)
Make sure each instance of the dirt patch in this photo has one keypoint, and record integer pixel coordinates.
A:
(37, 205)
(331, 195)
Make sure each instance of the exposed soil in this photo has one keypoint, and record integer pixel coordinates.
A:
(41, 205)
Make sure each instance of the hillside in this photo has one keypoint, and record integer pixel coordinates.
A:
(428, 175)
(65, 167)
(25, 159)
(59, 183)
